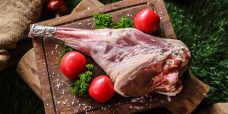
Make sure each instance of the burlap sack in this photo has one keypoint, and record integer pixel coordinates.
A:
(15, 18)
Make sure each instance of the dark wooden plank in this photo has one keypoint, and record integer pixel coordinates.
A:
(166, 24)
(46, 92)
(56, 88)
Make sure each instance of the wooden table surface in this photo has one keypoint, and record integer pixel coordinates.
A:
(56, 92)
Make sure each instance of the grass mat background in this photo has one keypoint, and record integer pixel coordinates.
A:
(201, 25)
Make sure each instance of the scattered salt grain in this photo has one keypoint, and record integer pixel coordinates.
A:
(138, 107)
(58, 102)
(56, 46)
(72, 102)
(161, 17)
(131, 107)
(75, 111)
(138, 99)
(63, 92)
(162, 101)
(103, 108)
(168, 98)
(58, 85)
(79, 23)
(129, 15)
(134, 100)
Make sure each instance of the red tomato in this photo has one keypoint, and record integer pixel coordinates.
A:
(58, 6)
(101, 89)
(53, 5)
(147, 21)
(72, 64)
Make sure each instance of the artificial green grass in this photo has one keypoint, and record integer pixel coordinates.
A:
(201, 24)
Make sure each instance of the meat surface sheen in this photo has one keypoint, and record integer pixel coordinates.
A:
(137, 63)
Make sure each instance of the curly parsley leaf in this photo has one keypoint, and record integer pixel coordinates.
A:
(80, 87)
(105, 21)
(90, 67)
(125, 22)
(65, 49)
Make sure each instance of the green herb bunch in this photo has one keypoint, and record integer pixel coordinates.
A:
(65, 49)
(124, 22)
(80, 86)
(105, 21)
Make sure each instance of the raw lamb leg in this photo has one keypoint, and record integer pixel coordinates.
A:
(137, 63)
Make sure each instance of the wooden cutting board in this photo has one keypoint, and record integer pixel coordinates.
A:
(56, 92)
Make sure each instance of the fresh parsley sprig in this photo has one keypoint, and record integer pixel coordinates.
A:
(105, 21)
(124, 22)
(65, 49)
(81, 86)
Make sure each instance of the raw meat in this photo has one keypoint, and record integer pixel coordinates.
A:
(137, 63)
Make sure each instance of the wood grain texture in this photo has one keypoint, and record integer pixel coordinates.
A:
(27, 69)
(86, 4)
(56, 92)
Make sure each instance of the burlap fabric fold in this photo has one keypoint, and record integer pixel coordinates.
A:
(15, 18)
